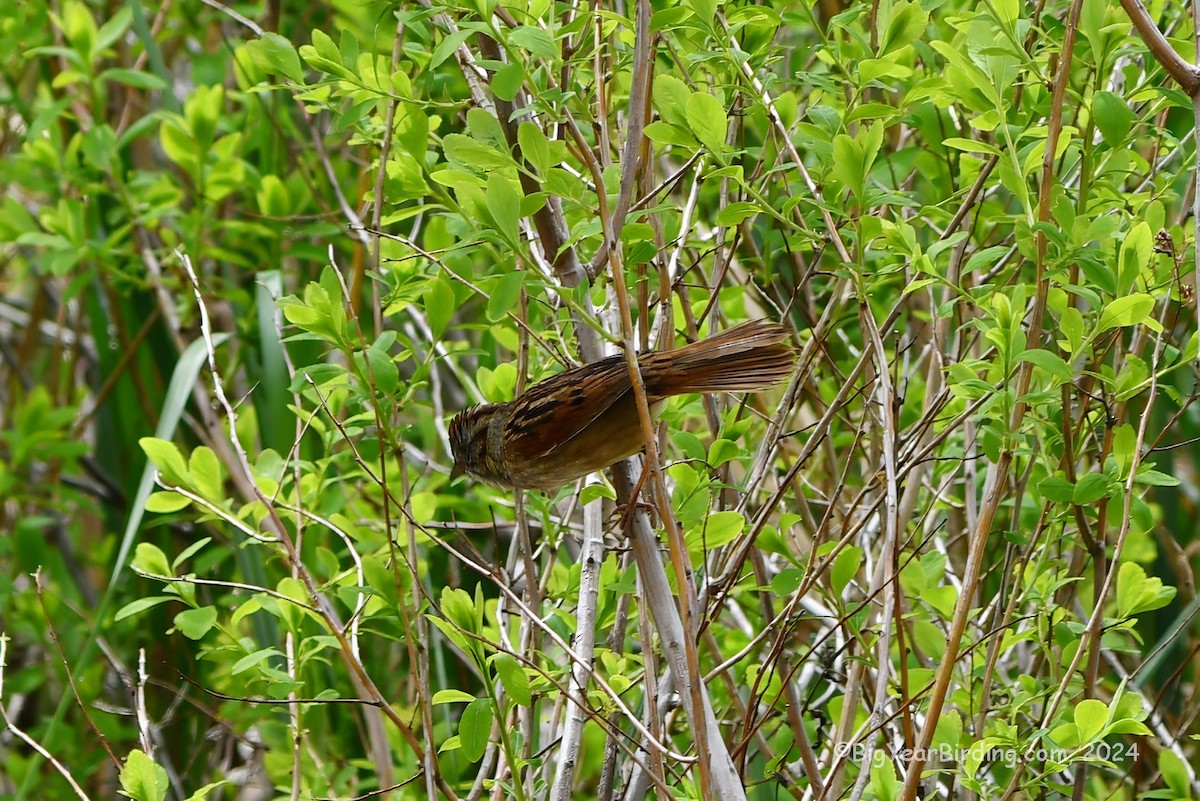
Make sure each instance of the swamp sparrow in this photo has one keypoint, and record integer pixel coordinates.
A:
(585, 419)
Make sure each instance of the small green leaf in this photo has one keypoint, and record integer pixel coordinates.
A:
(535, 40)
(1137, 592)
(281, 55)
(718, 529)
(1091, 488)
(439, 305)
(706, 118)
(149, 558)
(844, 568)
(593, 491)
(250, 660)
(135, 78)
(505, 293)
(205, 471)
(195, 623)
(448, 45)
(1155, 478)
(507, 81)
(513, 677)
(534, 146)
(735, 213)
(1052, 363)
(1056, 488)
(785, 582)
(189, 552)
(664, 133)
(1136, 252)
(671, 98)
(722, 451)
(907, 23)
(1113, 117)
(1126, 311)
(165, 503)
(475, 728)
(272, 197)
(142, 779)
(451, 697)
(140, 605)
(325, 47)
(504, 204)
(1090, 717)
(1174, 773)
(168, 460)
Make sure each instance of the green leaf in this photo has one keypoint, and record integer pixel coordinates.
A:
(504, 204)
(1052, 363)
(534, 146)
(671, 97)
(384, 374)
(1090, 717)
(844, 568)
(1091, 488)
(535, 40)
(451, 697)
(1113, 117)
(972, 146)
(513, 677)
(135, 78)
(167, 459)
(326, 49)
(114, 28)
(786, 582)
(190, 551)
(1126, 311)
(735, 213)
(250, 660)
(706, 10)
(439, 305)
(149, 558)
(141, 605)
(1136, 252)
(505, 293)
(1137, 592)
(165, 503)
(448, 45)
(205, 471)
(907, 23)
(281, 56)
(202, 793)
(1056, 488)
(718, 529)
(272, 197)
(593, 491)
(1175, 774)
(195, 623)
(507, 81)
(1154, 478)
(142, 779)
(706, 118)
(663, 133)
(722, 451)
(474, 729)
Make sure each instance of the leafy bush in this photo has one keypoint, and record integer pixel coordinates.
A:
(253, 266)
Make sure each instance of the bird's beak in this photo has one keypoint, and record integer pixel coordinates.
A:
(456, 471)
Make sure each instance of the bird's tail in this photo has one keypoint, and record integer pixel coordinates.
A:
(749, 357)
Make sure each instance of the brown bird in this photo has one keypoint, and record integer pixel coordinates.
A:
(585, 419)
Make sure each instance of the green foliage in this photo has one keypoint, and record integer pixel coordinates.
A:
(977, 497)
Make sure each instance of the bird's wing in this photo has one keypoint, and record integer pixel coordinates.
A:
(555, 411)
